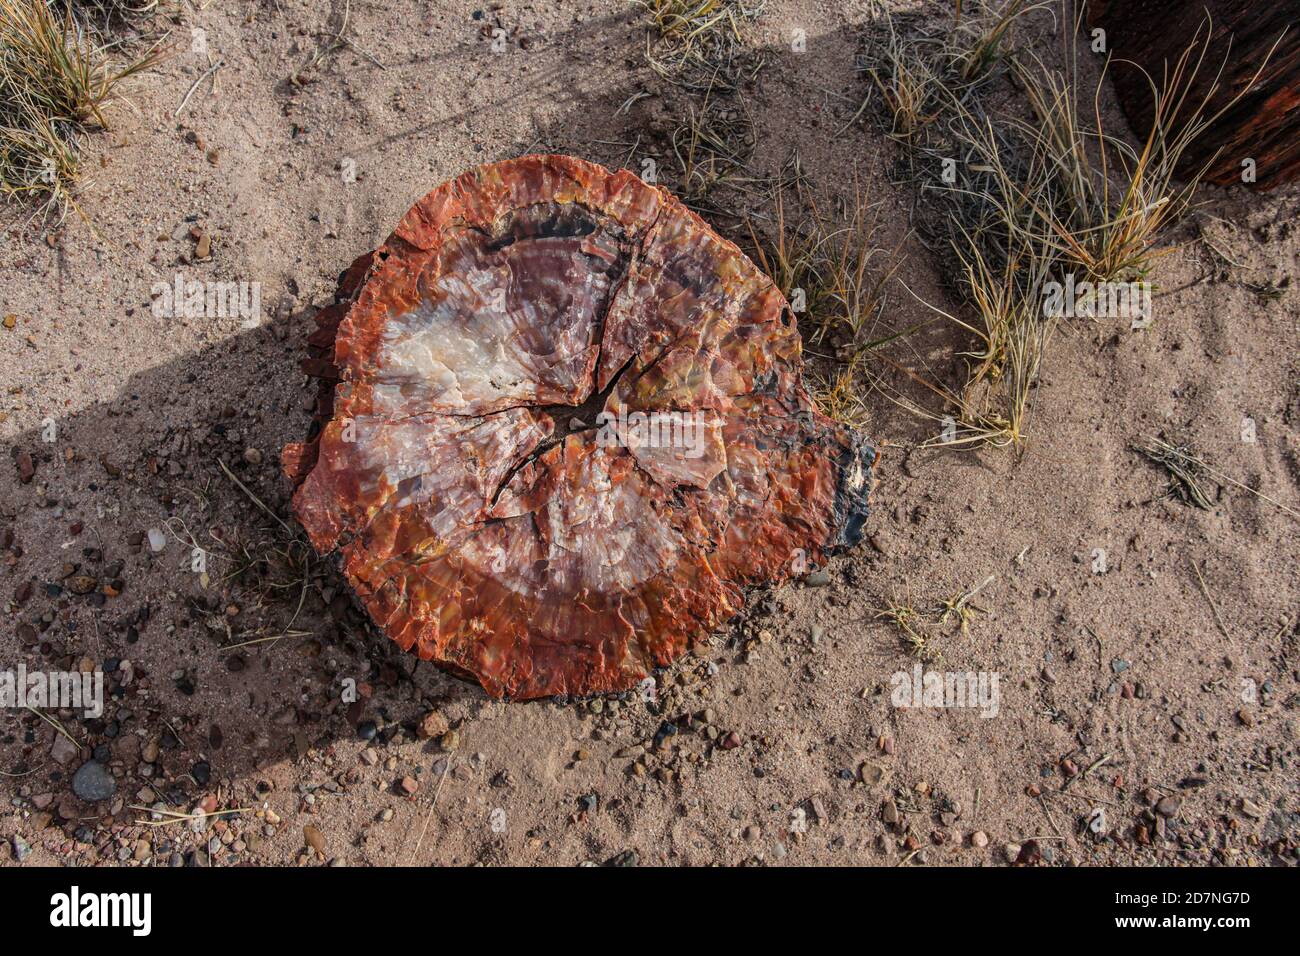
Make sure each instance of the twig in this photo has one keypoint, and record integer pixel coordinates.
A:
(256, 500)
(55, 724)
(206, 73)
(432, 804)
(1200, 579)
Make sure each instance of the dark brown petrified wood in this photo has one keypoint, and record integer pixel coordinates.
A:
(562, 429)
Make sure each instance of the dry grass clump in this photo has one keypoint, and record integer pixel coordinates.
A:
(56, 78)
(1184, 469)
(835, 275)
(826, 268)
(908, 82)
(1116, 199)
(980, 41)
(1025, 201)
(712, 146)
(697, 44)
(922, 630)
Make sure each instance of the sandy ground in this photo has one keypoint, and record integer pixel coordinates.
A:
(1121, 690)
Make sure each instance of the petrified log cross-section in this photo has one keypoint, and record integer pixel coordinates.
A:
(563, 430)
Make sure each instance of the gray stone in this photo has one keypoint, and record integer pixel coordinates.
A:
(93, 782)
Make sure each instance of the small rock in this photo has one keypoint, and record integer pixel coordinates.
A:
(92, 782)
(1168, 806)
(431, 725)
(889, 812)
(1030, 853)
(64, 751)
(818, 809)
(871, 773)
(82, 584)
(314, 838)
(979, 839)
(22, 849)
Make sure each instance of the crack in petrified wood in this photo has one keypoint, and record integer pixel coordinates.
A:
(482, 516)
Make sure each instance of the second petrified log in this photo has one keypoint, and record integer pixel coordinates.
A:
(564, 429)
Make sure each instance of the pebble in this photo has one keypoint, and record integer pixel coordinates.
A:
(314, 838)
(431, 725)
(889, 812)
(1168, 806)
(818, 809)
(979, 839)
(93, 782)
(64, 751)
(817, 579)
(157, 540)
(22, 849)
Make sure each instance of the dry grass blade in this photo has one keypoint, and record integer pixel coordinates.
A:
(981, 41)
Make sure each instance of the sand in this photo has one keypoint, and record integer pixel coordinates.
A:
(1117, 688)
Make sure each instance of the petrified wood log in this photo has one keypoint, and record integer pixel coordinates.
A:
(563, 429)
(1263, 125)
